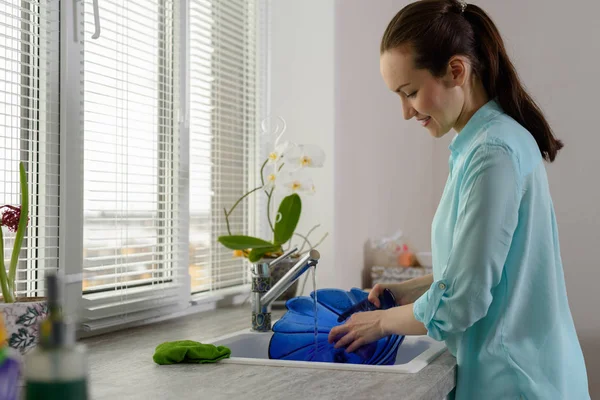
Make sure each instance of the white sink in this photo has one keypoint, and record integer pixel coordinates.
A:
(249, 347)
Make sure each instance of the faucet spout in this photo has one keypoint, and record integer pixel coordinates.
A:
(309, 260)
(261, 315)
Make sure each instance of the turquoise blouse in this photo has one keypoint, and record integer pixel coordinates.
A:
(498, 298)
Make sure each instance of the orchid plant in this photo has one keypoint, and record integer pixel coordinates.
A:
(282, 173)
(15, 219)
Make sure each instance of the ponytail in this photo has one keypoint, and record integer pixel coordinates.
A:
(438, 29)
(501, 81)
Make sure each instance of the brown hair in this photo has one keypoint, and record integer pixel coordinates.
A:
(436, 30)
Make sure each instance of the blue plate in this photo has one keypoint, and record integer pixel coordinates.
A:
(294, 337)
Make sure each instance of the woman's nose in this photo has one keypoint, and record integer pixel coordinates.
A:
(407, 110)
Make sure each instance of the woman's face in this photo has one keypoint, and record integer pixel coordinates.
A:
(436, 103)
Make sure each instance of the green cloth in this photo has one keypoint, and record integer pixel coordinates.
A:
(188, 351)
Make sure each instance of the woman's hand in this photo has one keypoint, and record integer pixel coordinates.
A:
(367, 327)
(405, 293)
(360, 329)
(378, 291)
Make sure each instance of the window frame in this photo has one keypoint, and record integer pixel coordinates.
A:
(71, 175)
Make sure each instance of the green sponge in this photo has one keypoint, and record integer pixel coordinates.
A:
(188, 351)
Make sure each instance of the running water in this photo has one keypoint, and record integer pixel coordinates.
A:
(314, 274)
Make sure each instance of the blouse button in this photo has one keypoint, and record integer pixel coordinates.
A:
(442, 286)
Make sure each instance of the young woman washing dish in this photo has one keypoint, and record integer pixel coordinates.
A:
(497, 295)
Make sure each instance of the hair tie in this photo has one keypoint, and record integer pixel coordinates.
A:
(462, 5)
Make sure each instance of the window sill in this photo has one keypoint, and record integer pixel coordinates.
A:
(224, 297)
(200, 302)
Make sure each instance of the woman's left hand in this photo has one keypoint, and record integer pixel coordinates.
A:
(360, 329)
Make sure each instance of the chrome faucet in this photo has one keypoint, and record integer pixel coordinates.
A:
(262, 292)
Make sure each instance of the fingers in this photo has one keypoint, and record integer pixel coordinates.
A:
(374, 295)
(357, 344)
(337, 332)
(350, 341)
(345, 340)
(341, 336)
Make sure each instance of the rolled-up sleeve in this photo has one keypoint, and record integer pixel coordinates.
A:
(488, 209)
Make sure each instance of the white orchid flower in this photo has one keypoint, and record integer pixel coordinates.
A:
(278, 153)
(291, 183)
(304, 156)
(271, 179)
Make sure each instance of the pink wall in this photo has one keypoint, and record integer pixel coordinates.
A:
(383, 164)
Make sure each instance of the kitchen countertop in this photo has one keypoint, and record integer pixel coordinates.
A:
(121, 367)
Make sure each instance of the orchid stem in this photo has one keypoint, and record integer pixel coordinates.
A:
(262, 168)
(227, 214)
(269, 195)
(240, 199)
(227, 221)
(262, 180)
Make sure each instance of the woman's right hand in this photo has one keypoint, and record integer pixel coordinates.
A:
(405, 292)
(375, 293)
(378, 289)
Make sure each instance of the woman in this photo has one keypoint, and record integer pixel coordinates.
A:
(497, 295)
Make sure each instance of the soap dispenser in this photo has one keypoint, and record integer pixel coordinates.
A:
(57, 367)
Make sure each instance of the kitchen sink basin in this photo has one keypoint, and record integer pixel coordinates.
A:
(252, 348)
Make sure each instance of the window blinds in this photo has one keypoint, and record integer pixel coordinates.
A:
(29, 132)
(224, 104)
(133, 264)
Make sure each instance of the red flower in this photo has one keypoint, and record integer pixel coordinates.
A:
(10, 217)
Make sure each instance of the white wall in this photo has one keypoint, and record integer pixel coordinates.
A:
(383, 165)
(384, 174)
(302, 67)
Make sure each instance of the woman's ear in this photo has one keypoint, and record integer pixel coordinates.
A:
(458, 69)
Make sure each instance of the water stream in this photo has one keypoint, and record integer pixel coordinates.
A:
(314, 275)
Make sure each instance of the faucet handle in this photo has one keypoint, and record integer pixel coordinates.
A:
(263, 268)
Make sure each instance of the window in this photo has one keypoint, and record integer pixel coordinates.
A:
(29, 132)
(145, 134)
(129, 146)
(224, 105)
(132, 192)
(150, 232)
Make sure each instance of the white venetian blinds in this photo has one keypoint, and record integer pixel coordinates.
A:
(133, 264)
(224, 100)
(29, 132)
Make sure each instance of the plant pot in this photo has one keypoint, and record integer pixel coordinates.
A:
(277, 272)
(21, 320)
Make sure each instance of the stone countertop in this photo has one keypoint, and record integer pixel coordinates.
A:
(121, 367)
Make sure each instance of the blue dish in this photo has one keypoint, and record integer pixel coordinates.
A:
(294, 337)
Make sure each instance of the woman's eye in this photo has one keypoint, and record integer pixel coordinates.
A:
(413, 94)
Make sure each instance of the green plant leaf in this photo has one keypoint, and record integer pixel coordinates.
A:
(289, 209)
(6, 293)
(256, 254)
(239, 242)
(22, 227)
